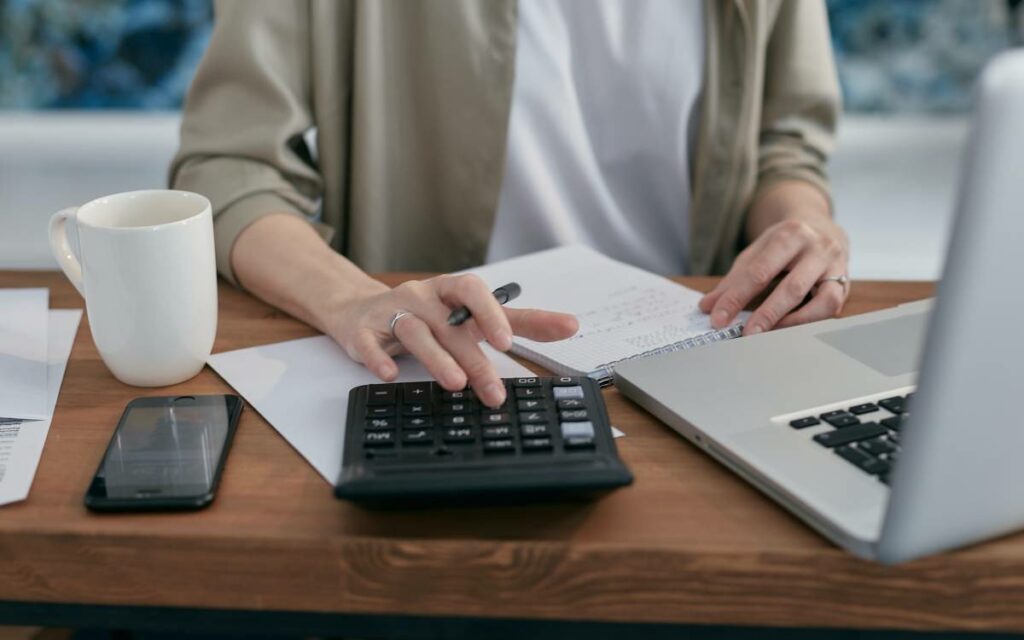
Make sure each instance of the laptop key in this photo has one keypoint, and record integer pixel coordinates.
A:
(895, 422)
(854, 433)
(803, 423)
(867, 407)
(896, 404)
(864, 461)
(840, 419)
(877, 447)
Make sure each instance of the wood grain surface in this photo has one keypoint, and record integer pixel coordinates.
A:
(688, 542)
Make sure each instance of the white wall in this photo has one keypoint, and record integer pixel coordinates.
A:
(49, 161)
(894, 182)
(893, 178)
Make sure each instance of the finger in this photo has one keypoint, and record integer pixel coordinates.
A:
(482, 376)
(788, 295)
(369, 351)
(827, 303)
(471, 291)
(542, 326)
(746, 280)
(423, 301)
(416, 337)
(708, 301)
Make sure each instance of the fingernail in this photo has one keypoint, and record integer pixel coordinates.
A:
(755, 329)
(496, 393)
(503, 340)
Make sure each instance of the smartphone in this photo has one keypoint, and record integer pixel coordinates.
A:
(166, 453)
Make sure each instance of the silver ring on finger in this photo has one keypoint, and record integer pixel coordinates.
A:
(393, 322)
(842, 280)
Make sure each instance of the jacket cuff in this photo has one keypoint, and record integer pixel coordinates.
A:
(769, 179)
(231, 221)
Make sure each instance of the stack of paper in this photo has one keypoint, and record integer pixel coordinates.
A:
(34, 347)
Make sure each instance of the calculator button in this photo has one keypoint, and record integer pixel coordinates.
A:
(577, 430)
(379, 438)
(568, 392)
(525, 393)
(499, 446)
(379, 394)
(418, 422)
(578, 443)
(565, 381)
(418, 409)
(571, 403)
(533, 417)
(530, 405)
(416, 392)
(503, 431)
(572, 415)
(458, 407)
(456, 421)
(379, 412)
(459, 434)
(534, 430)
(381, 423)
(417, 436)
(526, 382)
(378, 454)
(536, 444)
(498, 417)
(464, 395)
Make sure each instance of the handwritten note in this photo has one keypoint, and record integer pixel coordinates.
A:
(623, 311)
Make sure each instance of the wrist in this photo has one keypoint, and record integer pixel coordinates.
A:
(341, 294)
(790, 200)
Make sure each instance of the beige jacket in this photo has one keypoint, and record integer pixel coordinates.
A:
(410, 101)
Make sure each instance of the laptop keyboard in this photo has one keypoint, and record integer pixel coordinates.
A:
(866, 435)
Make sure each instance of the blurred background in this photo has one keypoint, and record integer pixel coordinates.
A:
(90, 92)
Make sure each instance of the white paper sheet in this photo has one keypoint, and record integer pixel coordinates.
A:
(23, 353)
(21, 443)
(301, 388)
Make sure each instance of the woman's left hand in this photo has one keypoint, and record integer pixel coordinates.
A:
(803, 251)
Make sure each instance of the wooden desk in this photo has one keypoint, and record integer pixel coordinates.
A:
(688, 543)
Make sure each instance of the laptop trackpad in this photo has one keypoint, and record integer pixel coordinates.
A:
(890, 347)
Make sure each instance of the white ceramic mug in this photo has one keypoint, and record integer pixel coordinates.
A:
(146, 269)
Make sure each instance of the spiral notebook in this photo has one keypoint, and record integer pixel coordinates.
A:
(624, 312)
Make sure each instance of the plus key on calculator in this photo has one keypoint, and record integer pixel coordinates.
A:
(414, 443)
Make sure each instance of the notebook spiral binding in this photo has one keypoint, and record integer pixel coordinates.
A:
(605, 372)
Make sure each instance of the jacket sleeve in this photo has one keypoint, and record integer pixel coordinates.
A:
(801, 101)
(242, 142)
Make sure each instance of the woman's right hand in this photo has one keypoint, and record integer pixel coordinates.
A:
(361, 325)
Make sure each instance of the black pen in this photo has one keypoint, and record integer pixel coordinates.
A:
(502, 294)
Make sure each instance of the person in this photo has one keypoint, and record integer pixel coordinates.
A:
(685, 137)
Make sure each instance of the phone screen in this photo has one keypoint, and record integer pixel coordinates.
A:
(166, 452)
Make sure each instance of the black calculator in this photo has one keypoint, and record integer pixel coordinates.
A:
(414, 443)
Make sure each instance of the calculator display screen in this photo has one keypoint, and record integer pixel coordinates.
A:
(164, 452)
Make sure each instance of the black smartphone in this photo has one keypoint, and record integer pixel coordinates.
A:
(166, 453)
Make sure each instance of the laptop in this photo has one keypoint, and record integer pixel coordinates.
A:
(899, 433)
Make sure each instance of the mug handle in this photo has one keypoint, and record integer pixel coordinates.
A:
(61, 248)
